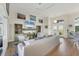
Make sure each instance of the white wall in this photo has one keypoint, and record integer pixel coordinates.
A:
(63, 17)
(44, 31)
(13, 19)
(68, 20)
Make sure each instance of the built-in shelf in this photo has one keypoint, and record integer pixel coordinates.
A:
(28, 29)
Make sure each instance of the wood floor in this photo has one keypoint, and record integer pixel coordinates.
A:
(11, 50)
(66, 48)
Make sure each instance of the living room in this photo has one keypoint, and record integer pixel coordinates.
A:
(36, 29)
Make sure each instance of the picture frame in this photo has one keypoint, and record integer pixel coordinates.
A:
(21, 16)
(32, 17)
(40, 21)
(38, 29)
(18, 28)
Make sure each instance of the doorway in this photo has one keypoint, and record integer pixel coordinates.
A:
(61, 30)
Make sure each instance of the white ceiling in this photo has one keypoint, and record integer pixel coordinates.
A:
(47, 9)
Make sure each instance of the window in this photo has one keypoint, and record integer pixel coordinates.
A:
(77, 24)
